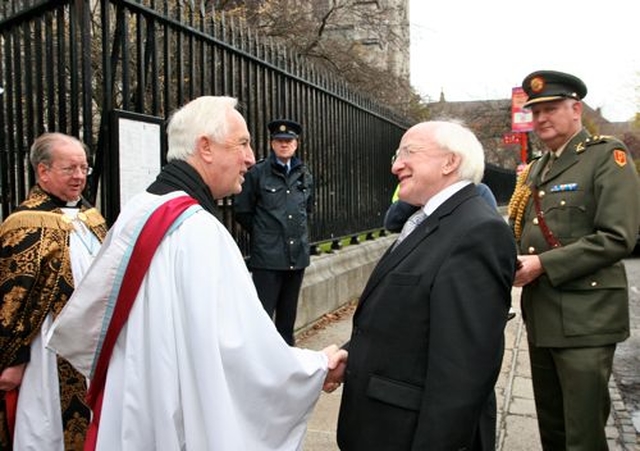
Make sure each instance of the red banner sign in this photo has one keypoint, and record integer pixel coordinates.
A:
(521, 118)
(511, 138)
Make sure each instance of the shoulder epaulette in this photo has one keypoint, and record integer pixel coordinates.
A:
(593, 140)
(599, 139)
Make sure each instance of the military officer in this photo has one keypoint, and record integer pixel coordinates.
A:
(575, 213)
(274, 206)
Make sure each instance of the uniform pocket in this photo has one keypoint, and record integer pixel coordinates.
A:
(272, 196)
(566, 214)
(596, 303)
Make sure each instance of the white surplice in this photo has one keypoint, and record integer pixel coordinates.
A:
(38, 416)
(199, 364)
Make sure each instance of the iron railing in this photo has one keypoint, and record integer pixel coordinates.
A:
(68, 65)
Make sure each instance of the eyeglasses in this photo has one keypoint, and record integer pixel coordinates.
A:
(405, 152)
(68, 171)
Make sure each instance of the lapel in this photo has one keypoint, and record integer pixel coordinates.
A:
(428, 227)
(536, 171)
(569, 156)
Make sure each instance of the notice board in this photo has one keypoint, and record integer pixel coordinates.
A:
(139, 152)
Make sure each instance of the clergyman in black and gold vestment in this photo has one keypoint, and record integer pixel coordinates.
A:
(46, 245)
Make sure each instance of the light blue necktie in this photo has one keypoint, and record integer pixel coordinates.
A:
(413, 222)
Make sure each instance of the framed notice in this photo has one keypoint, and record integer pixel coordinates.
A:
(139, 140)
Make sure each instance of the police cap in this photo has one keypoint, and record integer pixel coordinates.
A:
(284, 129)
(547, 85)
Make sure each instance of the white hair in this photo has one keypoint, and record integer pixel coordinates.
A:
(455, 137)
(203, 116)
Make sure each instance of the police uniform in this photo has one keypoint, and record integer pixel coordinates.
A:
(580, 215)
(274, 207)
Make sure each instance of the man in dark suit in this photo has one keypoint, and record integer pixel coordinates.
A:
(575, 213)
(427, 340)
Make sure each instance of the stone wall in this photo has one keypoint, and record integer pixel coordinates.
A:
(332, 280)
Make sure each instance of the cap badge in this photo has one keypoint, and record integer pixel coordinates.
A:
(283, 128)
(537, 84)
(620, 157)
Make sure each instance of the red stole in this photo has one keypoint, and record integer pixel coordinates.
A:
(148, 241)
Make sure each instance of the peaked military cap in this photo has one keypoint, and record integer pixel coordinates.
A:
(284, 129)
(547, 85)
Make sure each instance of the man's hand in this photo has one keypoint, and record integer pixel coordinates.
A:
(337, 364)
(11, 377)
(529, 269)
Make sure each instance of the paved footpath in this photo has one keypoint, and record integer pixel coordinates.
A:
(517, 427)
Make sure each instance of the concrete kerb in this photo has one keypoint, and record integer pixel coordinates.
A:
(508, 385)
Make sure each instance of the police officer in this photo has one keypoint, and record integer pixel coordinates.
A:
(274, 206)
(575, 213)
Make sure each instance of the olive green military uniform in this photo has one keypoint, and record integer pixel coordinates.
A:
(578, 309)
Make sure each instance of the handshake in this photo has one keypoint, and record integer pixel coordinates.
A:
(337, 364)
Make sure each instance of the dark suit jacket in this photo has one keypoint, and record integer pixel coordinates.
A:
(427, 340)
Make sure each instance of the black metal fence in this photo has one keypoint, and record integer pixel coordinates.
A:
(68, 65)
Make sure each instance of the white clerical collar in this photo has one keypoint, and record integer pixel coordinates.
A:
(80, 234)
(443, 195)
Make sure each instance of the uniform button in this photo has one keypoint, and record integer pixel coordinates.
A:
(563, 203)
(535, 221)
(273, 190)
(290, 216)
(288, 191)
(291, 267)
(291, 242)
(541, 193)
(594, 283)
(532, 250)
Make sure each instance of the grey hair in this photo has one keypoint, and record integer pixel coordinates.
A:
(42, 148)
(203, 116)
(454, 136)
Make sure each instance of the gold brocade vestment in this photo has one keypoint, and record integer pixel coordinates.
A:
(36, 279)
